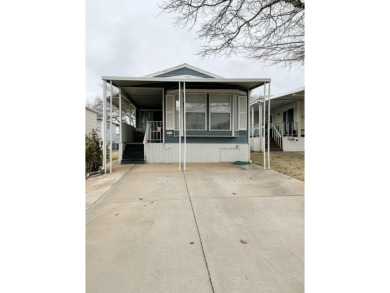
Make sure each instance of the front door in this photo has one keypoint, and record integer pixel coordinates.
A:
(148, 115)
(288, 121)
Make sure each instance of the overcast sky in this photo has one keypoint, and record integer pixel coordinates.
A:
(129, 38)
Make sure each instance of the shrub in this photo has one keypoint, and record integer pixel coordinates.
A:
(93, 152)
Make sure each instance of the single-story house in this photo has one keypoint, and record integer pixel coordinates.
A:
(182, 114)
(90, 120)
(115, 129)
(287, 122)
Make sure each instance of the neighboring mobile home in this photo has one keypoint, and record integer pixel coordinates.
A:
(287, 122)
(90, 120)
(182, 114)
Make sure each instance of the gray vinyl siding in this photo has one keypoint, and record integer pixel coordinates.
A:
(184, 71)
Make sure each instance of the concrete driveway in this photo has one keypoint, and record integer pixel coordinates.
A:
(214, 228)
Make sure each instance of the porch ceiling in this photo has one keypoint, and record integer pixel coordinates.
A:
(144, 97)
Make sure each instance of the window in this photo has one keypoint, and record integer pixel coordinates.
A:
(220, 112)
(195, 111)
(117, 130)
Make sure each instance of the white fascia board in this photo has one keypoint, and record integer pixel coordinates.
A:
(175, 79)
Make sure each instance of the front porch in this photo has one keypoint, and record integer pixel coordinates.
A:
(197, 117)
(286, 120)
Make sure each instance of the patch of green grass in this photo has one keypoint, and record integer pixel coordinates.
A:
(293, 166)
(114, 155)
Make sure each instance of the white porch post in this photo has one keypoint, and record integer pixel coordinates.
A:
(269, 122)
(185, 128)
(104, 126)
(120, 126)
(264, 129)
(260, 125)
(163, 115)
(248, 93)
(179, 127)
(298, 120)
(253, 121)
(111, 126)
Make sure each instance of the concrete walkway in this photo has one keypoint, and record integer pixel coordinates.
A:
(214, 228)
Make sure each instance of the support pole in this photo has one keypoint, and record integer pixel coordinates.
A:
(163, 115)
(120, 126)
(269, 122)
(260, 124)
(104, 126)
(263, 129)
(111, 126)
(185, 127)
(253, 122)
(179, 128)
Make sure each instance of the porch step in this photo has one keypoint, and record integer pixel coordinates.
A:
(126, 161)
(273, 146)
(133, 154)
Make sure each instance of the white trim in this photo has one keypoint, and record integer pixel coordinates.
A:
(183, 66)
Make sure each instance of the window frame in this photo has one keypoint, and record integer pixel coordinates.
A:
(230, 112)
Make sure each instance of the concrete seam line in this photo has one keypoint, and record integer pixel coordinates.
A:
(197, 228)
(109, 188)
(259, 196)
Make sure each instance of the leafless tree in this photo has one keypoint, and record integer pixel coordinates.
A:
(268, 30)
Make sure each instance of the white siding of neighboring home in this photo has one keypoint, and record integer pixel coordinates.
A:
(90, 120)
(196, 152)
(295, 144)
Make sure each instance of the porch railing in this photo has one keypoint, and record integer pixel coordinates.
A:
(154, 132)
(287, 128)
(276, 135)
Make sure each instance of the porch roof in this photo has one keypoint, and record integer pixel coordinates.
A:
(283, 98)
(171, 82)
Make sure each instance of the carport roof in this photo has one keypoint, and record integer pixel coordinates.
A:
(206, 83)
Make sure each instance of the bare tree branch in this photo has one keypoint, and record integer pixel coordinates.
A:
(268, 30)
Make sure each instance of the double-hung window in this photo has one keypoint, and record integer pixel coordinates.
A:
(220, 112)
(195, 111)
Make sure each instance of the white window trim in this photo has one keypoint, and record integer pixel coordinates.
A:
(230, 112)
(242, 112)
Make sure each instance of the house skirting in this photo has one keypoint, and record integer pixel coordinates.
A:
(255, 144)
(196, 153)
(293, 144)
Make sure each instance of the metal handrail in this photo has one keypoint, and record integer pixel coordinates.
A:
(287, 128)
(276, 135)
(153, 132)
(147, 132)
